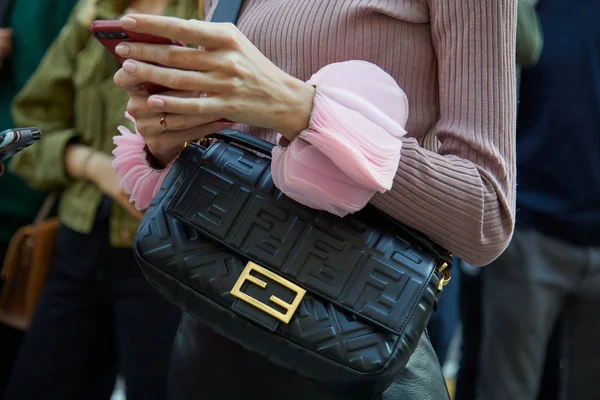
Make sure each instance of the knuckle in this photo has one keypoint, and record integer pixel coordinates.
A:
(230, 27)
(230, 33)
(167, 56)
(197, 109)
(234, 85)
(137, 52)
(136, 106)
(117, 78)
(231, 107)
(145, 128)
(120, 78)
(230, 63)
(141, 126)
(132, 108)
(184, 28)
(179, 81)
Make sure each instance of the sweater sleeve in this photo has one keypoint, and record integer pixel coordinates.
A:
(463, 194)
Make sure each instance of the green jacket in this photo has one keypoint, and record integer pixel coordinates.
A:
(72, 97)
(35, 24)
(529, 34)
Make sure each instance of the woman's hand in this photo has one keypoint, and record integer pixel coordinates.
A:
(82, 162)
(99, 170)
(164, 140)
(235, 80)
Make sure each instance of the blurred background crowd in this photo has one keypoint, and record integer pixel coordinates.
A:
(523, 328)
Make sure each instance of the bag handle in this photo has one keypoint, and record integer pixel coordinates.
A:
(227, 11)
(45, 209)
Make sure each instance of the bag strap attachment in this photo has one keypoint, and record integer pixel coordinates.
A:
(227, 11)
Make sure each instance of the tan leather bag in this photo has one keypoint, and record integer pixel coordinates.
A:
(28, 260)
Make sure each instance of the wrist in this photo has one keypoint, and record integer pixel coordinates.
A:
(92, 164)
(298, 109)
(159, 160)
(76, 156)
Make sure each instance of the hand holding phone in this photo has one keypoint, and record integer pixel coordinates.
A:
(14, 140)
(110, 34)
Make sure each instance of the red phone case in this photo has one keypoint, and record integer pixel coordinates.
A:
(114, 35)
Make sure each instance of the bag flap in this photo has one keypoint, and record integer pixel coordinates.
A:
(363, 263)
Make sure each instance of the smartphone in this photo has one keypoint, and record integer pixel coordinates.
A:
(110, 34)
(14, 140)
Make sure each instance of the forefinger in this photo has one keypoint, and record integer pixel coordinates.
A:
(201, 33)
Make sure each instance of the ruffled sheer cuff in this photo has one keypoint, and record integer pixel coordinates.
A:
(351, 148)
(137, 178)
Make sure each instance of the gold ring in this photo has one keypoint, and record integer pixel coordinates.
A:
(163, 122)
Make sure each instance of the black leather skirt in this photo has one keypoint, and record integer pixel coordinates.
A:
(204, 365)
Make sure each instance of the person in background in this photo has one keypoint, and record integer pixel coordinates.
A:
(31, 26)
(552, 265)
(529, 46)
(445, 320)
(98, 316)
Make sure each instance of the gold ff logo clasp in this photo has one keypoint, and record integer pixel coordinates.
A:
(289, 307)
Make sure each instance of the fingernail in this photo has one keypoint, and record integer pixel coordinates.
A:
(129, 66)
(123, 50)
(228, 124)
(128, 23)
(156, 102)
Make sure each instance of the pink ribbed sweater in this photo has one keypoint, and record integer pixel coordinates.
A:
(455, 61)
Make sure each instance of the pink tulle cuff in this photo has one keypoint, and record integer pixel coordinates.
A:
(136, 176)
(349, 152)
(352, 146)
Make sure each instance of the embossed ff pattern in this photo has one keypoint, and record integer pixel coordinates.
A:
(363, 276)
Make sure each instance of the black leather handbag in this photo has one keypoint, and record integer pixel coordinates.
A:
(341, 301)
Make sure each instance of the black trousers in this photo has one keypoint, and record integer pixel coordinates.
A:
(206, 365)
(471, 316)
(10, 340)
(97, 317)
